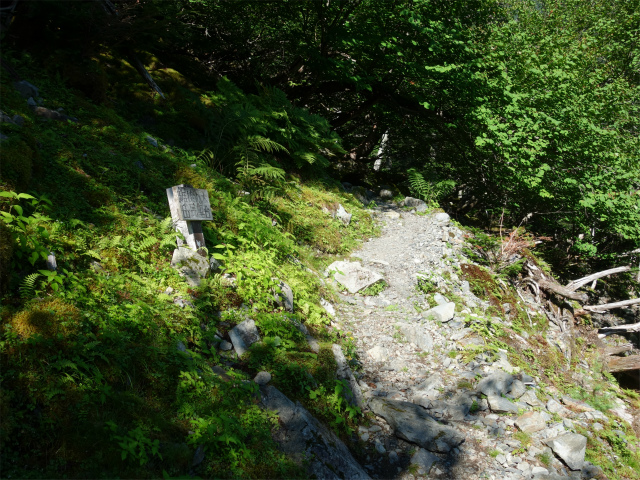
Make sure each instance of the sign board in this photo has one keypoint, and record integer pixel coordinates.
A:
(190, 204)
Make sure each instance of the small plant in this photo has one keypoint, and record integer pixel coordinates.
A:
(494, 453)
(375, 289)
(524, 438)
(465, 384)
(473, 409)
(545, 458)
(392, 308)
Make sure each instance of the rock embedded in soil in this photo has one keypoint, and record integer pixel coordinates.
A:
(308, 442)
(531, 422)
(442, 313)
(424, 460)
(412, 423)
(244, 335)
(498, 383)
(571, 448)
(353, 276)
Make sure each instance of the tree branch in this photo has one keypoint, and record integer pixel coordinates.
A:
(576, 284)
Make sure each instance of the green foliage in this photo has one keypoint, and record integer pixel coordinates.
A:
(430, 191)
(375, 289)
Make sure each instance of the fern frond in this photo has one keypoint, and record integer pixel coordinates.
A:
(28, 285)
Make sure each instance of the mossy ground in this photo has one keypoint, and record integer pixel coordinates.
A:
(93, 384)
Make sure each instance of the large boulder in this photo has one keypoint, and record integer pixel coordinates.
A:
(419, 205)
(307, 442)
(412, 423)
(353, 276)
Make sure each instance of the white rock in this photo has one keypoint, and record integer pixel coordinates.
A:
(378, 353)
(342, 215)
(442, 313)
(353, 276)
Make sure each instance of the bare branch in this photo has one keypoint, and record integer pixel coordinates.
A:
(576, 284)
(609, 306)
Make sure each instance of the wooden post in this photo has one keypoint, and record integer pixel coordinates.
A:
(189, 207)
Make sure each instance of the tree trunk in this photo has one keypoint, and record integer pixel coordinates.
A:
(617, 350)
(623, 364)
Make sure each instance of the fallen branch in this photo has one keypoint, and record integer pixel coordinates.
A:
(576, 284)
(622, 364)
(617, 350)
(610, 306)
(549, 284)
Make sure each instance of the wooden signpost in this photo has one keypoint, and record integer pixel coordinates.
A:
(189, 208)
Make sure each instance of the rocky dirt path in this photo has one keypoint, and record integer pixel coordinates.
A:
(436, 413)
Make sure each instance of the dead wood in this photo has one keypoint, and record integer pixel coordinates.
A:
(610, 306)
(622, 364)
(576, 284)
(618, 349)
(548, 283)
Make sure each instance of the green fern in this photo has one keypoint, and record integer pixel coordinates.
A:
(28, 285)
(429, 191)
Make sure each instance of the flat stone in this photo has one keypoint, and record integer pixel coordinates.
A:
(518, 389)
(244, 335)
(226, 346)
(309, 443)
(539, 471)
(498, 383)
(419, 205)
(412, 423)
(500, 404)
(576, 405)
(424, 460)
(531, 422)
(555, 407)
(262, 378)
(378, 353)
(417, 335)
(392, 215)
(440, 299)
(353, 276)
(571, 448)
(530, 398)
(442, 313)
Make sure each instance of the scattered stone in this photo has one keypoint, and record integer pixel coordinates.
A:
(500, 404)
(152, 141)
(555, 407)
(52, 265)
(424, 460)
(285, 297)
(18, 120)
(353, 276)
(531, 399)
(32, 103)
(571, 448)
(518, 389)
(379, 447)
(539, 471)
(309, 443)
(419, 205)
(244, 335)
(576, 405)
(498, 383)
(531, 422)
(442, 218)
(386, 194)
(342, 215)
(262, 378)
(215, 265)
(378, 353)
(392, 215)
(313, 344)
(442, 313)
(411, 423)
(417, 335)
(328, 307)
(225, 346)
(26, 89)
